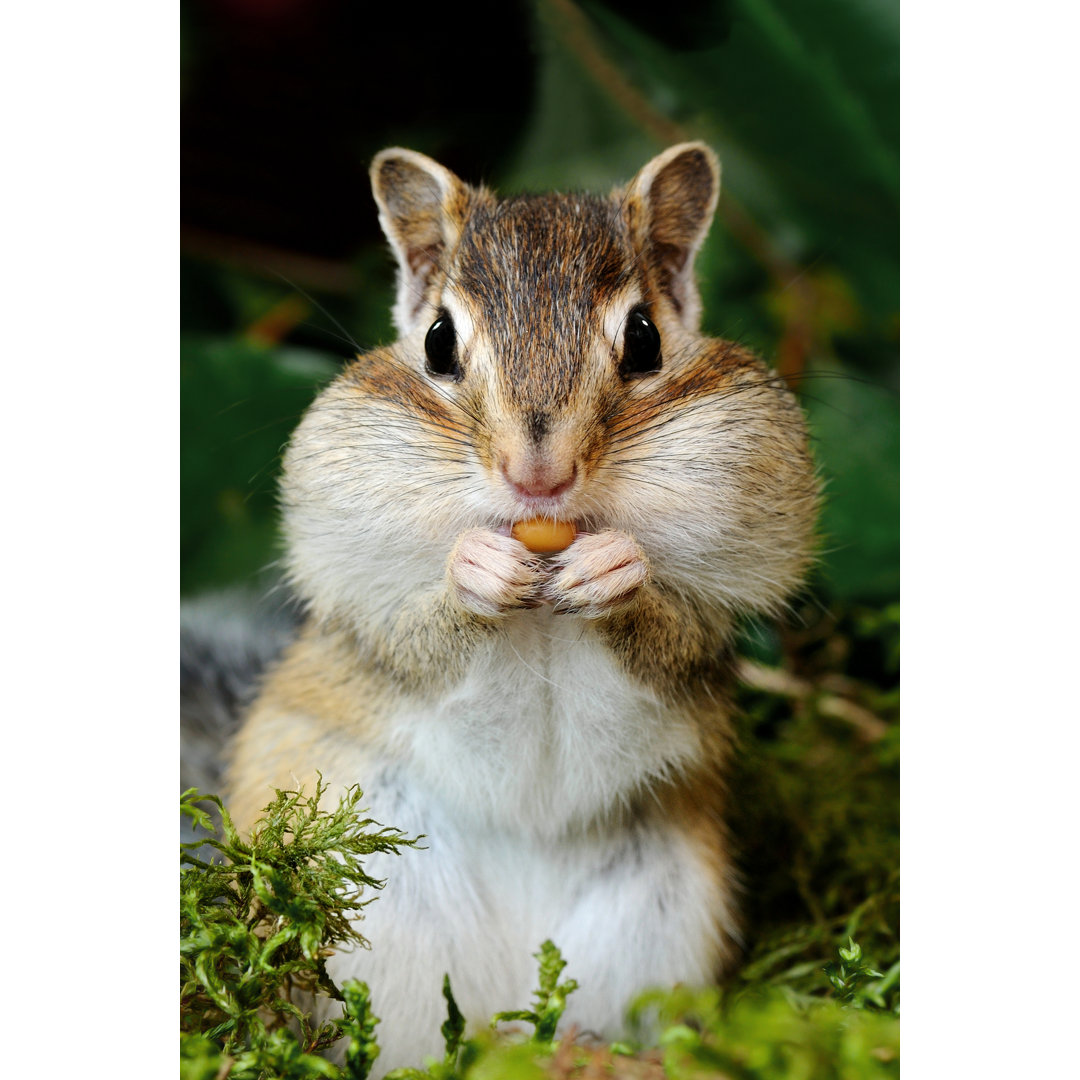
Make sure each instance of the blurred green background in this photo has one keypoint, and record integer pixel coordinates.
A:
(284, 102)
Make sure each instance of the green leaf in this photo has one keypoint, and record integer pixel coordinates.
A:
(200, 817)
(855, 429)
(549, 999)
(358, 1026)
(453, 1027)
(852, 953)
(239, 402)
(200, 1058)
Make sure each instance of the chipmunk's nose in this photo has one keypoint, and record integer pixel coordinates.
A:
(533, 479)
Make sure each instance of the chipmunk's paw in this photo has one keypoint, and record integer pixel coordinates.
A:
(597, 574)
(492, 574)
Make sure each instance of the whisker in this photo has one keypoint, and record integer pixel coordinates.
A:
(349, 339)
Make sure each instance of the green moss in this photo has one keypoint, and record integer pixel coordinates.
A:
(257, 922)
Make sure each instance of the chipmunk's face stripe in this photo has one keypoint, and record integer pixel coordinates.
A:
(546, 265)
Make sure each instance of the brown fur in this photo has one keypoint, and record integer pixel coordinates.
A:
(691, 487)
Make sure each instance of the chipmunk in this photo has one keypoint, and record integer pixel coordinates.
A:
(555, 726)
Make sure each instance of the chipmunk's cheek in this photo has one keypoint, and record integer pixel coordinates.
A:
(598, 574)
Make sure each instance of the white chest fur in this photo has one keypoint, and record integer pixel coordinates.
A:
(545, 732)
(509, 777)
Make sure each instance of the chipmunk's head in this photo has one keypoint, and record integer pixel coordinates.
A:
(549, 365)
(543, 318)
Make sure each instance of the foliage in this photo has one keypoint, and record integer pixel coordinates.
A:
(815, 795)
(761, 1037)
(453, 1032)
(257, 923)
(241, 399)
(550, 997)
(852, 977)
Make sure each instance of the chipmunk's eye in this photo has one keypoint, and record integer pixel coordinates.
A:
(441, 348)
(641, 346)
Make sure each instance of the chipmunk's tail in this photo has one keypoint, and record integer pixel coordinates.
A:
(227, 639)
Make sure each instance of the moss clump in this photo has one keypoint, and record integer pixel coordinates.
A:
(258, 928)
(258, 918)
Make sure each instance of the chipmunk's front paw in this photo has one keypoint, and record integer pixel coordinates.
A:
(597, 574)
(491, 574)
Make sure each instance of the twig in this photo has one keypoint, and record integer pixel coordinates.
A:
(777, 681)
(325, 275)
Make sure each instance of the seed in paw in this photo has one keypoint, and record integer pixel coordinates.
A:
(542, 536)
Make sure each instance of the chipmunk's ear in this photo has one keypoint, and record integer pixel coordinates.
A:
(669, 206)
(422, 207)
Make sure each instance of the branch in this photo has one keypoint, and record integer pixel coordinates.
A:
(777, 681)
